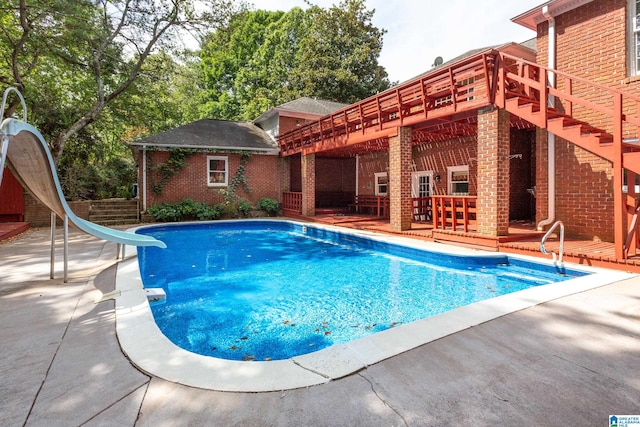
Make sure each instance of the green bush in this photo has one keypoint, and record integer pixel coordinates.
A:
(270, 206)
(244, 208)
(186, 209)
(207, 213)
(165, 212)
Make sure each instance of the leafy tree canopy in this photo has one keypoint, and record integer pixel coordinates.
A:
(262, 59)
(73, 59)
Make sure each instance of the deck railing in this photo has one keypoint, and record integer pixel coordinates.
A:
(292, 202)
(448, 90)
(457, 213)
(422, 210)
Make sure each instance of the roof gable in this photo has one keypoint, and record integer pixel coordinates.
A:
(533, 17)
(302, 108)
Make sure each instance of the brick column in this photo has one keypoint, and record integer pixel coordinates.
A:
(284, 170)
(309, 185)
(493, 172)
(400, 158)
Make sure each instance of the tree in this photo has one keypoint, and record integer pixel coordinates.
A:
(224, 54)
(263, 59)
(72, 58)
(339, 55)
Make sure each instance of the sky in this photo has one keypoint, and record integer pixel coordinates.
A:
(418, 31)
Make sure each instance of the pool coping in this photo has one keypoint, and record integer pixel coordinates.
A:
(148, 348)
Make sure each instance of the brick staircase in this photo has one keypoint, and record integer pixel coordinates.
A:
(114, 212)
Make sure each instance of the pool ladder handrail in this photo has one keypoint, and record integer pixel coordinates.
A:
(547, 234)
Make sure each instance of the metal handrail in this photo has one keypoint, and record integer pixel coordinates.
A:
(547, 234)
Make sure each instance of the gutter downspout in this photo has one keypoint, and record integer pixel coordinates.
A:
(551, 145)
(144, 178)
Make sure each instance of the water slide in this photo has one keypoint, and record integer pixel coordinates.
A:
(25, 151)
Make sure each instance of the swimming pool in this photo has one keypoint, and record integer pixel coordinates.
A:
(264, 290)
(149, 349)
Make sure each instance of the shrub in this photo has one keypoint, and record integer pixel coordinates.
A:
(270, 206)
(165, 212)
(244, 208)
(186, 209)
(207, 213)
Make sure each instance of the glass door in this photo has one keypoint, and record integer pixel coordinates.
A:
(421, 191)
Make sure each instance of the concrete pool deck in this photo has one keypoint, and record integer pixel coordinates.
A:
(574, 359)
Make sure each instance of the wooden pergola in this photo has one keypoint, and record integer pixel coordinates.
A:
(444, 104)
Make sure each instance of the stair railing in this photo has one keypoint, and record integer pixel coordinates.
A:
(546, 236)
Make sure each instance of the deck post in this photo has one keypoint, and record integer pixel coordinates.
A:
(400, 167)
(308, 184)
(493, 172)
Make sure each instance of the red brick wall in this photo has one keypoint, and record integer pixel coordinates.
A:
(368, 166)
(38, 215)
(295, 170)
(433, 156)
(437, 156)
(584, 190)
(542, 175)
(584, 193)
(290, 123)
(335, 174)
(591, 43)
(262, 173)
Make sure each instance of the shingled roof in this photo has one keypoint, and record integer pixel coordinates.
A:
(303, 107)
(312, 105)
(212, 135)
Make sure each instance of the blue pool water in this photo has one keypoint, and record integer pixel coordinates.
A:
(270, 290)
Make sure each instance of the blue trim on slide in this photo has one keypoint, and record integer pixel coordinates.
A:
(12, 127)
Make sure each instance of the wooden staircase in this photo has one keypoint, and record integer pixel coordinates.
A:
(575, 131)
(522, 85)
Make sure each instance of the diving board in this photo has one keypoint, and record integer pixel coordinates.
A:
(25, 151)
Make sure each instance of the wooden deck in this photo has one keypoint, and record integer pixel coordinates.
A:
(10, 229)
(522, 239)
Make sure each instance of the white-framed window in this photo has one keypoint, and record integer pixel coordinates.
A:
(633, 49)
(217, 171)
(382, 183)
(422, 184)
(458, 179)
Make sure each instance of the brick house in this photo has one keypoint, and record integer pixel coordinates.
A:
(497, 135)
(535, 132)
(213, 152)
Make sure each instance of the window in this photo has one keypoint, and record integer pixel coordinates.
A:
(217, 171)
(634, 35)
(382, 183)
(458, 180)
